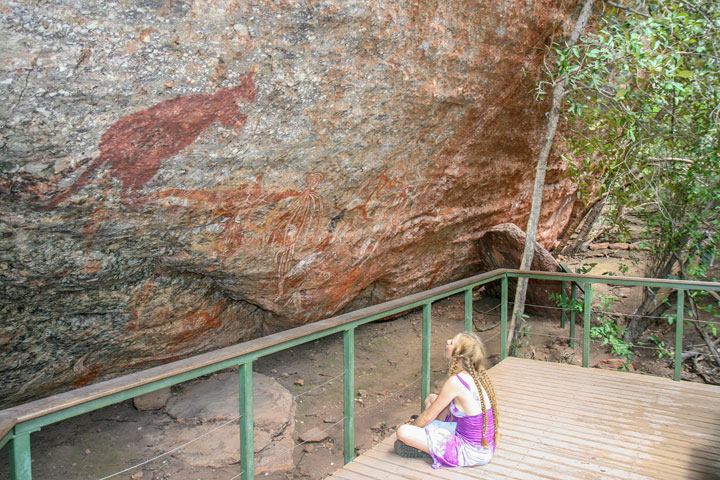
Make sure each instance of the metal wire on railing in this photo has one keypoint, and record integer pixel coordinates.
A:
(237, 476)
(245, 355)
(389, 396)
(175, 449)
(359, 411)
(597, 311)
(318, 386)
(577, 339)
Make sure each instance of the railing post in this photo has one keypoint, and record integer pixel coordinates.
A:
(563, 297)
(679, 324)
(503, 316)
(427, 318)
(247, 460)
(349, 394)
(468, 310)
(587, 311)
(573, 290)
(20, 463)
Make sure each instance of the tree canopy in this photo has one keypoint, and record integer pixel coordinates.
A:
(642, 114)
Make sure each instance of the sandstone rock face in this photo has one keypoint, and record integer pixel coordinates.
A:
(176, 176)
(502, 247)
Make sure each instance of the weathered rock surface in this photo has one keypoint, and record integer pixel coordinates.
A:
(153, 400)
(502, 247)
(208, 403)
(313, 435)
(176, 176)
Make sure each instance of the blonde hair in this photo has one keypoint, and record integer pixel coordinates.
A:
(469, 355)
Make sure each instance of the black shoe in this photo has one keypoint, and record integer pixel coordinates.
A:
(406, 451)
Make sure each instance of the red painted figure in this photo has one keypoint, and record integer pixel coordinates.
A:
(136, 145)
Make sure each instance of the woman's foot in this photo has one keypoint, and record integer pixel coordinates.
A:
(405, 450)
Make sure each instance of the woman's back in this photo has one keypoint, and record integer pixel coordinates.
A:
(468, 399)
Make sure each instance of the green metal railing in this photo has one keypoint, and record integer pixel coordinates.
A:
(18, 423)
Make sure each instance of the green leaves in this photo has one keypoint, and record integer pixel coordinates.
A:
(642, 119)
(684, 73)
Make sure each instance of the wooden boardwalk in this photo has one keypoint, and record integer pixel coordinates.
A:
(559, 421)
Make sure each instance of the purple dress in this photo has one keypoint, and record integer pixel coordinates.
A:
(459, 443)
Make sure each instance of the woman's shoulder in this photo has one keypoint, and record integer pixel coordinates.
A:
(454, 383)
(467, 382)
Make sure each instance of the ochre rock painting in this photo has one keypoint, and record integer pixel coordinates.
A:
(281, 221)
(293, 223)
(136, 145)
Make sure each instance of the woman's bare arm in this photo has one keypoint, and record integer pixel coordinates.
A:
(429, 400)
(447, 393)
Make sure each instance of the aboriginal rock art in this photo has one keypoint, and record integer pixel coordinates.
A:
(135, 146)
(393, 197)
(227, 207)
(295, 223)
(383, 190)
(293, 218)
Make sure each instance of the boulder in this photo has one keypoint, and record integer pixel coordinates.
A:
(502, 246)
(206, 404)
(176, 177)
(313, 435)
(153, 400)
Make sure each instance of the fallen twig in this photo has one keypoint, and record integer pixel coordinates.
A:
(703, 333)
(702, 374)
(486, 329)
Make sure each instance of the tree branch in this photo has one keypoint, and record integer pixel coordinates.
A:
(623, 7)
(703, 333)
(540, 170)
(670, 159)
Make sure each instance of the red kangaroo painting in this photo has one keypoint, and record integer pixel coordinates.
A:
(135, 146)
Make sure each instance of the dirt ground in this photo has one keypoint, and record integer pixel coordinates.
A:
(387, 374)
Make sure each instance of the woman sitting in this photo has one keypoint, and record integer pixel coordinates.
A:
(468, 434)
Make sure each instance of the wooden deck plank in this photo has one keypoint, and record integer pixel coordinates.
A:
(623, 416)
(597, 400)
(668, 390)
(503, 467)
(563, 422)
(621, 430)
(635, 378)
(656, 460)
(699, 455)
(604, 391)
(344, 474)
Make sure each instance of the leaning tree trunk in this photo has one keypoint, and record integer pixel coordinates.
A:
(589, 221)
(531, 231)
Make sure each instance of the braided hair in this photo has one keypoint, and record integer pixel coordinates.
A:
(468, 355)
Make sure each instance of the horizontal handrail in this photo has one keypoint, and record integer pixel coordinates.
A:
(29, 417)
(614, 279)
(228, 356)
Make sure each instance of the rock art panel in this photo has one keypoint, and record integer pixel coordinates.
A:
(177, 177)
(135, 146)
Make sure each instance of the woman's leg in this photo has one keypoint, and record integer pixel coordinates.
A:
(413, 436)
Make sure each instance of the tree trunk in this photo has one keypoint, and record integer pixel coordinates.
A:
(531, 231)
(589, 222)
